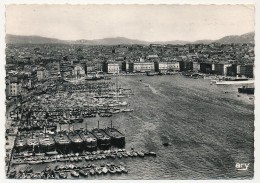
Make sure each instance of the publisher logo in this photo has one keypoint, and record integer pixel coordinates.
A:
(242, 166)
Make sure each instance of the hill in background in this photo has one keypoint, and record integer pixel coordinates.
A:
(16, 39)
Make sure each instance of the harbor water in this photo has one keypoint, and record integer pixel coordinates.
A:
(209, 129)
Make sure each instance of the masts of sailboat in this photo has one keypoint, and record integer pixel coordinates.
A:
(117, 87)
(98, 124)
(60, 130)
(86, 128)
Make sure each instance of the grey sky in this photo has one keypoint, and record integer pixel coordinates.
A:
(143, 22)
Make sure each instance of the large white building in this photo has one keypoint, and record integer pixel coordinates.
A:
(141, 66)
(113, 68)
(167, 66)
(14, 88)
(40, 74)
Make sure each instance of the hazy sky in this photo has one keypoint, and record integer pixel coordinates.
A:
(143, 22)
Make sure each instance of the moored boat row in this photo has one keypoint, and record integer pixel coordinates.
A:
(76, 140)
(68, 171)
(77, 157)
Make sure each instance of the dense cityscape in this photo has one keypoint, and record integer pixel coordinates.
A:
(32, 67)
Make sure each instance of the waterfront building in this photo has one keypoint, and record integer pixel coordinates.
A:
(195, 66)
(238, 69)
(163, 67)
(206, 67)
(225, 68)
(218, 68)
(247, 70)
(232, 70)
(186, 65)
(40, 74)
(125, 66)
(112, 68)
(141, 66)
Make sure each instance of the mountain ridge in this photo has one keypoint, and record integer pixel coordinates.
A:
(18, 39)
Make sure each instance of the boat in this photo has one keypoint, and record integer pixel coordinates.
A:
(50, 153)
(47, 160)
(105, 114)
(129, 154)
(76, 141)
(119, 155)
(118, 170)
(127, 110)
(235, 82)
(98, 171)
(124, 103)
(112, 170)
(135, 154)
(33, 162)
(104, 170)
(62, 175)
(107, 78)
(93, 77)
(152, 153)
(33, 144)
(124, 154)
(39, 154)
(166, 144)
(140, 154)
(76, 120)
(123, 169)
(86, 114)
(150, 73)
(113, 156)
(247, 90)
(103, 140)
(46, 142)
(83, 173)
(115, 111)
(63, 143)
(92, 171)
(89, 140)
(117, 138)
(20, 143)
(74, 174)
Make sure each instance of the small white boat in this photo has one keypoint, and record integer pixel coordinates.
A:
(235, 82)
(105, 170)
(127, 110)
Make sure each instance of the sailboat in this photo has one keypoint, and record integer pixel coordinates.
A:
(127, 109)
